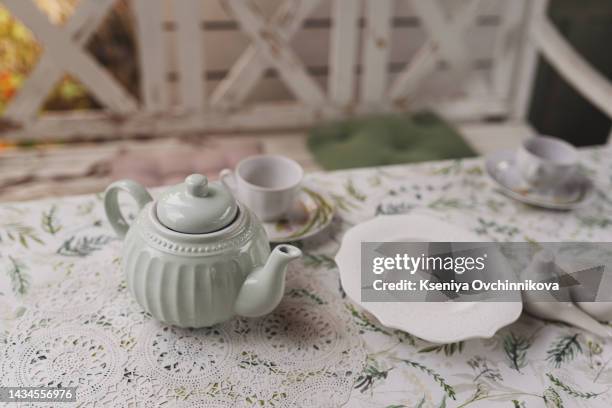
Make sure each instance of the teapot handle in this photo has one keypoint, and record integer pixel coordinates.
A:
(111, 203)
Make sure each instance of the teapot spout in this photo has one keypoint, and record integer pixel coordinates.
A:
(263, 289)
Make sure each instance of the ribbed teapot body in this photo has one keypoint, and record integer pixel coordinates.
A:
(191, 280)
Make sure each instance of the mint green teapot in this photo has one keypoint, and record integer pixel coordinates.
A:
(196, 256)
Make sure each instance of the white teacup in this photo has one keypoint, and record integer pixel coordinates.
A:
(267, 184)
(547, 162)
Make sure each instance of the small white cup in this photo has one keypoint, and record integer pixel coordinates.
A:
(267, 184)
(547, 162)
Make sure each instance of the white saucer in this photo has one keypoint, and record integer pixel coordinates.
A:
(438, 322)
(312, 212)
(501, 167)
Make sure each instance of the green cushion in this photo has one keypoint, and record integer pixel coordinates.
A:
(388, 139)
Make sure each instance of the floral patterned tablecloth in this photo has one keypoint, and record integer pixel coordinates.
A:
(67, 317)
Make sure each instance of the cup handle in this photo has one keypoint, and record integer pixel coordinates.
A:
(111, 203)
(224, 176)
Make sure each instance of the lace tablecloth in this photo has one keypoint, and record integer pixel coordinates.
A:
(67, 317)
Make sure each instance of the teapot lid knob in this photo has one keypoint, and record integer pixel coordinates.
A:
(196, 206)
(197, 185)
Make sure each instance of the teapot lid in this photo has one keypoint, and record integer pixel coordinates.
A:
(196, 206)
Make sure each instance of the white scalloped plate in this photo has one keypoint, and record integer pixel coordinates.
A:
(432, 321)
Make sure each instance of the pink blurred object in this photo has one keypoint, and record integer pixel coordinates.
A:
(171, 164)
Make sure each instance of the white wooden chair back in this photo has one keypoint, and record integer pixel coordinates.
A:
(208, 65)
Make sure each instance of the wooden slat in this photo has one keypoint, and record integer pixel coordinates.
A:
(343, 50)
(84, 125)
(271, 89)
(470, 109)
(151, 49)
(524, 75)
(486, 138)
(250, 67)
(376, 41)
(507, 47)
(428, 56)
(216, 17)
(449, 40)
(45, 75)
(313, 45)
(571, 66)
(67, 55)
(191, 59)
(258, 118)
